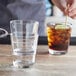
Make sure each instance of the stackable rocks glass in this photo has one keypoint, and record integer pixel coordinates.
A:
(24, 38)
(58, 35)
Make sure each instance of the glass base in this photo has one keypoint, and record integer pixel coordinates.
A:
(11, 62)
(55, 52)
(22, 64)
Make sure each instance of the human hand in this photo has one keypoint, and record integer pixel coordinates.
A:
(67, 10)
(72, 8)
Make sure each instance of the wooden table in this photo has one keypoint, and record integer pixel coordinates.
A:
(46, 64)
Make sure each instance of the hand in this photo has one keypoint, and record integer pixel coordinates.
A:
(72, 9)
(62, 4)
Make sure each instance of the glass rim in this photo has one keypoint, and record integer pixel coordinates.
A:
(54, 23)
(27, 21)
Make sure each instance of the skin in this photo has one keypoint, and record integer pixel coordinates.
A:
(72, 9)
(68, 9)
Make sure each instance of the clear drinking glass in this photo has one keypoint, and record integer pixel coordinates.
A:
(24, 38)
(58, 35)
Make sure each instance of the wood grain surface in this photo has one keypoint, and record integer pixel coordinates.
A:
(46, 64)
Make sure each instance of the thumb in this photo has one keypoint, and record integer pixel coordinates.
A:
(66, 10)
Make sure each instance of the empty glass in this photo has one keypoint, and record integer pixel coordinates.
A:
(24, 38)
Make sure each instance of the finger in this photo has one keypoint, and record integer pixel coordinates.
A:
(72, 12)
(66, 9)
(65, 12)
(72, 5)
(73, 17)
(70, 1)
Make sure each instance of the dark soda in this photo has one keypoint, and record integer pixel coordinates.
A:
(58, 37)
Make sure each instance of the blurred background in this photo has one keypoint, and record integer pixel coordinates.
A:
(52, 14)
